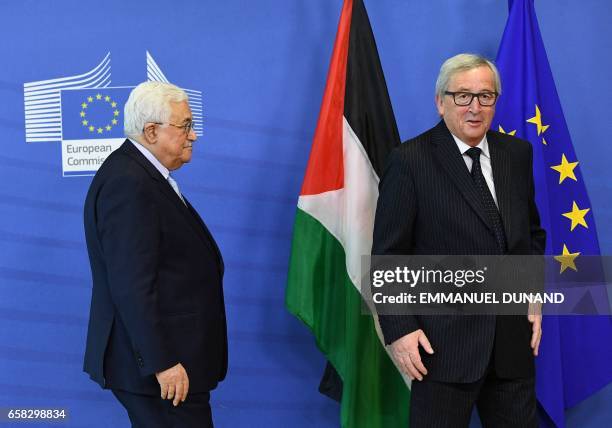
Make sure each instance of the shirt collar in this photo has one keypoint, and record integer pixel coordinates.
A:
(151, 158)
(483, 145)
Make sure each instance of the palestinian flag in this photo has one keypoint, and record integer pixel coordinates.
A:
(334, 223)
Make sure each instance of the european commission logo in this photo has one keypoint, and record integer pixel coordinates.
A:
(85, 114)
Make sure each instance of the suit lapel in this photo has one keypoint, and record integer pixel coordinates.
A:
(449, 157)
(500, 164)
(193, 219)
(169, 192)
(166, 189)
(210, 240)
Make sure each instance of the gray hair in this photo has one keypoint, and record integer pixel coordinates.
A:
(150, 102)
(463, 62)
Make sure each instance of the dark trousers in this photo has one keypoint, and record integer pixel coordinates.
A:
(147, 411)
(501, 403)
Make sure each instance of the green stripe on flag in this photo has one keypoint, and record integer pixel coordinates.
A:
(320, 293)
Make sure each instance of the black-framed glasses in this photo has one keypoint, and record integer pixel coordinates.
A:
(485, 99)
(187, 127)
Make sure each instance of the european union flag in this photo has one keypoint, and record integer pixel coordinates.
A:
(93, 113)
(576, 351)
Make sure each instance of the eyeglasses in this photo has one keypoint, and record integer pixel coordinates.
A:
(187, 127)
(485, 99)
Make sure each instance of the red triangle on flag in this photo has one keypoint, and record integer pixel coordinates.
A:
(325, 170)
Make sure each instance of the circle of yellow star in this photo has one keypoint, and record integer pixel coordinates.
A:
(567, 260)
(100, 129)
(576, 215)
(565, 169)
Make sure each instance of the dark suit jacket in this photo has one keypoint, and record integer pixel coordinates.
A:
(157, 296)
(428, 204)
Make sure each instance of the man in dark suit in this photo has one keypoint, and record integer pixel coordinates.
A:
(461, 188)
(157, 320)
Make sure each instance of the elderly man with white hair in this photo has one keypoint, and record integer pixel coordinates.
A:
(461, 188)
(157, 331)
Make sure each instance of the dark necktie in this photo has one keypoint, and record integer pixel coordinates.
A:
(487, 199)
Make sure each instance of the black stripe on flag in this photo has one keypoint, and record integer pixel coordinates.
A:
(367, 106)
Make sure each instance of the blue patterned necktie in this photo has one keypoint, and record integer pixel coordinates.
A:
(487, 199)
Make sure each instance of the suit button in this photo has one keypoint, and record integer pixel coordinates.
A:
(140, 362)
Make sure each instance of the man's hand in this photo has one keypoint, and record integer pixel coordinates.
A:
(536, 332)
(405, 350)
(174, 384)
(535, 318)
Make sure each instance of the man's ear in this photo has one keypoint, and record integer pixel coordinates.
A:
(150, 133)
(440, 105)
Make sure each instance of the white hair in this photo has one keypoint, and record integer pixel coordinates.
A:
(150, 102)
(463, 62)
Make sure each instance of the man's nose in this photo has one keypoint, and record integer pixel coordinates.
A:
(475, 106)
(192, 136)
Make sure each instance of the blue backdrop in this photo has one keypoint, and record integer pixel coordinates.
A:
(261, 67)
